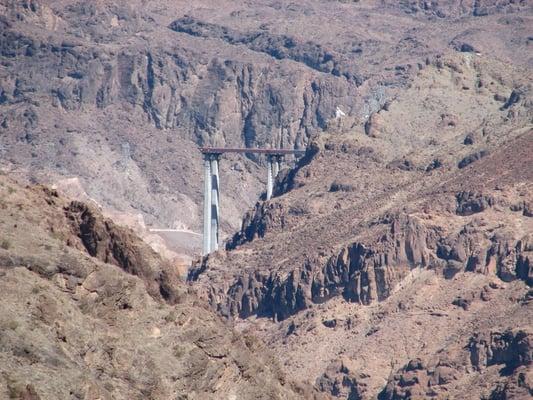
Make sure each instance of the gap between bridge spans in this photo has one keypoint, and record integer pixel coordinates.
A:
(212, 156)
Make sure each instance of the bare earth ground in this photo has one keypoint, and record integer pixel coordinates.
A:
(89, 311)
(376, 241)
(394, 261)
(117, 94)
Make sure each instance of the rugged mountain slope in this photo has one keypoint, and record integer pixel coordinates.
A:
(119, 93)
(88, 311)
(395, 259)
(393, 242)
(391, 179)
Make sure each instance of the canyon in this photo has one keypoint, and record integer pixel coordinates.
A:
(394, 260)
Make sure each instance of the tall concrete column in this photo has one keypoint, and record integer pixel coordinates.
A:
(270, 181)
(275, 167)
(277, 164)
(207, 205)
(215, 198)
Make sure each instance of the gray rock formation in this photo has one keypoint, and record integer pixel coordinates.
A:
(367, 272)
(510, 349)
(89, 311)
(120, 93)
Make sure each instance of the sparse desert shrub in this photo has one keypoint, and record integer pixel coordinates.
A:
(341, 187)
(12, 325)
(17, 390)
(171, 316)
(178, 351)
(5, 244)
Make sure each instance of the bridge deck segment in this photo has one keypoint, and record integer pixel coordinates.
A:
(222, 150)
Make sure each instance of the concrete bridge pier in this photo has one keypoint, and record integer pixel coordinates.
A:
(278, 159)
(211, 203)
(211, 236)
(207, 205)
(273, 167)
(215, 205)
(270, 178)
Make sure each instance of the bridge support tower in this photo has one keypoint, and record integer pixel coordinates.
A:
(211, 236)
(273, 167)
(211, 203)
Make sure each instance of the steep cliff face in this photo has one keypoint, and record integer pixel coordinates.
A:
(364, 272)
(382, 246)
(459, 8)
(120, 93)
(208, 100)
(89, 311)
(509, 350)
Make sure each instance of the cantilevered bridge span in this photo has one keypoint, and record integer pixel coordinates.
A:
(212, 185)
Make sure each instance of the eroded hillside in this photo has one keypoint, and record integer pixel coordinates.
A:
(88, 311)
(119, 93)
(393, 262)
(392, 254)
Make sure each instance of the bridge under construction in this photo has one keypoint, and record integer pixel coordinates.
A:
(212, 185)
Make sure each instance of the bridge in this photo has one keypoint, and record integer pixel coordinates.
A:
(212, 185)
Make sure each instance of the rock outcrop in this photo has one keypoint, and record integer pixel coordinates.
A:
(118, 94)
(367, 272)
(89, 311)
(479, 8)
(341, 382)
(394, 260)
(408, 263)
(510, 349)
(111, 244)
